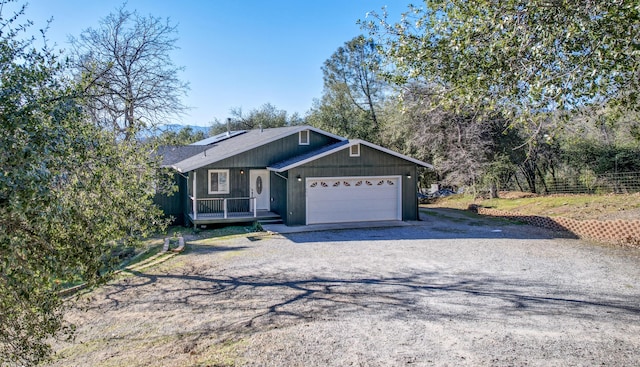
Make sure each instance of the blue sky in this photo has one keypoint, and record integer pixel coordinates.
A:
(235, 53)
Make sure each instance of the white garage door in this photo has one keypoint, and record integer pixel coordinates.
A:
(353, 199)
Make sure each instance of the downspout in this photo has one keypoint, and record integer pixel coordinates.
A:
(279, 175)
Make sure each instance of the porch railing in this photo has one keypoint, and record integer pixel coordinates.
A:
(223, 207)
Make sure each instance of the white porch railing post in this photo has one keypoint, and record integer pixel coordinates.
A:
(195, 197)
(224, 207)
(255, 209)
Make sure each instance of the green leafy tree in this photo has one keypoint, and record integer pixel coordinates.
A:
(69, 195)
(267, 116)
(184, 136)
(335, 112)
(522, 58)
(132, 84)
(460, 145)
(539, 64)
(353, 93)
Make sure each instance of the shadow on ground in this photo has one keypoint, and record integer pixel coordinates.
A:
(265, 300)
(436, 224)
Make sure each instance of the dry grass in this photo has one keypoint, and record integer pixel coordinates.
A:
(582, 207)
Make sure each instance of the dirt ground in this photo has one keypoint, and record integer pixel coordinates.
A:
(454, 289)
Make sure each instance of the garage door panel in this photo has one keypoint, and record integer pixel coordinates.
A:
(350, 199)
(351, 195)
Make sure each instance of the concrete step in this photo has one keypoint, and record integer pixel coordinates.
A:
(271, 221)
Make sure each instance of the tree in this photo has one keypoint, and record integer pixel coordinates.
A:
(184, 136)
(267, 116)
(602, 144)
(522, 58)
(353, 91)
(69, 194)
(335, 113)
(132, 82)
(460, 146)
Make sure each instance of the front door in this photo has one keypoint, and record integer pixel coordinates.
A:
(259, 186)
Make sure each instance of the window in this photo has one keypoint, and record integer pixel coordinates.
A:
(354, 150)
(218, 181)
(303, 137)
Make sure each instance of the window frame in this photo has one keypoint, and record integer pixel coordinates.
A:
(351, 153)
(228, 181)
(308, 139)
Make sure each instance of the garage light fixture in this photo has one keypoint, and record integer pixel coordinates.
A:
(409, 176)
(299, 178)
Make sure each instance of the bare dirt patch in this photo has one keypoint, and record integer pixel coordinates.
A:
(454, 290)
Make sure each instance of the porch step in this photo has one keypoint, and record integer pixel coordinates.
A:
(271, 221)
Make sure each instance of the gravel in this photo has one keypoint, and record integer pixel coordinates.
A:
(451, 290)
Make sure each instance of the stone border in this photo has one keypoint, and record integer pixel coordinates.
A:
(625, 232)
(167, 243)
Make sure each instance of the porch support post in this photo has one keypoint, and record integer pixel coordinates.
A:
(195, 196)
(224, 207)
(255, 209)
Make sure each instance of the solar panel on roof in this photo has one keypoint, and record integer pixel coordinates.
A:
(218, 138)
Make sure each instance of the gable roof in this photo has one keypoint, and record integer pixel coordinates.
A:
(330, 149)
(239, 144)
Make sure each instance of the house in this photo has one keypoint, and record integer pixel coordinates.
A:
(300, 175)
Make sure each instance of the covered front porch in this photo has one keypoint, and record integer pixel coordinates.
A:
(228, 210)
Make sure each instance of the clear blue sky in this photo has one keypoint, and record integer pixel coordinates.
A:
(235, 53)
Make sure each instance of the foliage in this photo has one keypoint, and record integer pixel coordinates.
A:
(549, 70)
(184, 136)
(267, 116)
(69, 194)
(461, 146)
(131, 81)
(519, 57)
(353, 92)
(602, 158)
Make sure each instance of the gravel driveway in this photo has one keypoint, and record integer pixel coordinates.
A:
(452, 290)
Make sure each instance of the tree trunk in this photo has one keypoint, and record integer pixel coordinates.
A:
(493, 191)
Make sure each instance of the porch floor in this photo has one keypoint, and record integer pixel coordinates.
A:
(212, 218)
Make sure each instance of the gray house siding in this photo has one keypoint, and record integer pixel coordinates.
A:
(279, 194)
(274, 152)
(371, 162)
(183, 194)
(258, 158)
(238, 183)
(173, 205)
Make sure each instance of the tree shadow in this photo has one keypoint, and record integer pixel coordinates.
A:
(245, 304)
(436, 224)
